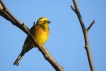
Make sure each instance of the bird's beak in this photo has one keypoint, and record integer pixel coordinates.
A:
(49, 22)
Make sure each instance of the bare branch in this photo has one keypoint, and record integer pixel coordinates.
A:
(7, 15)
(85, 33)
(79, 15)
(91, 25)
(2, 4)
(73, 9)
(1, 7)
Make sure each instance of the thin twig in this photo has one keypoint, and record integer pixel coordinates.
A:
(85, 33)
(91, 25)
(73, 9)
(2, 4)
(7, 15)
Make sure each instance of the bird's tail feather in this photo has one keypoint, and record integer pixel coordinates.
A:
(17, 61)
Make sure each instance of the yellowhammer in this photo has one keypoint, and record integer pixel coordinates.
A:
(40, 32)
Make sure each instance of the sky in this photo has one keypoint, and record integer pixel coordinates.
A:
(66, 41)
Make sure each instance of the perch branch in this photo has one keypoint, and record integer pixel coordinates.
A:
(85, 33)
(4, 12)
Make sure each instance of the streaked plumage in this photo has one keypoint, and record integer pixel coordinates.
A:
(40, 32)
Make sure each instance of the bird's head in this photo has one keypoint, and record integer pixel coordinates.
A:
(43, 21)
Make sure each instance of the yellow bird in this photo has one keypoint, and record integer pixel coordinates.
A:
(40, 32)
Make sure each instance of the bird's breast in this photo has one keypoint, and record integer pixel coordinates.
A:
(41, 36)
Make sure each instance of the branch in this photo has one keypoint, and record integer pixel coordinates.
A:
(73, 9)
(4, 12)
(85, 33)
(91, 25)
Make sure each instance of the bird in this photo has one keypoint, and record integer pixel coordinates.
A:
(40, 31)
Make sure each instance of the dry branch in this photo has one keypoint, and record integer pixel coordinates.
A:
(85, 33)
(91, 25)
(4, 12)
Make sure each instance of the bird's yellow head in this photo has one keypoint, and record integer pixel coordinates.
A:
(43, 21)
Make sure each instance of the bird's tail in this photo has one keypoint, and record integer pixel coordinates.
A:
(17, 61)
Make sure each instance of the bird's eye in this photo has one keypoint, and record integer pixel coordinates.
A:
(45, 21)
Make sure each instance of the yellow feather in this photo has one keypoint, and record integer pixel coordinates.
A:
(40, 32)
